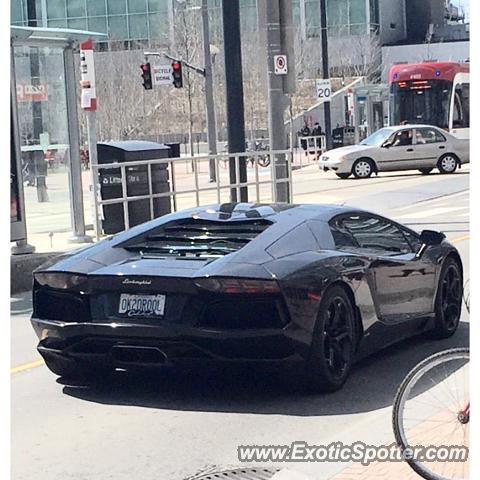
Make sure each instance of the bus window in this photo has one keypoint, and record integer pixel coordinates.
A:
(461, 108)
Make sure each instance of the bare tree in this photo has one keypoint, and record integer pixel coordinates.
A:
(358, 56)
(188, 38)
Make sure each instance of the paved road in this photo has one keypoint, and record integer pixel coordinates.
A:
(173, 426)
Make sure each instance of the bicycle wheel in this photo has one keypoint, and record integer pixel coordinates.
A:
(432, 410)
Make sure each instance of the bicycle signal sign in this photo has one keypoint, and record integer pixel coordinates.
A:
(324, 90)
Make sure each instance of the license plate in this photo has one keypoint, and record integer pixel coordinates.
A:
(141, 305)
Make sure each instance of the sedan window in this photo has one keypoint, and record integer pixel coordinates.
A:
(428, 135)
(402, 138)
(377, 234)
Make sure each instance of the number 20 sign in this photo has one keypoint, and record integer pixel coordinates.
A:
(324, 90)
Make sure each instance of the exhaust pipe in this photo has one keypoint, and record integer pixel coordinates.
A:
(138, 355)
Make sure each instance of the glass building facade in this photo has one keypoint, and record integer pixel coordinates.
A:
(146, 20)
(123, 20)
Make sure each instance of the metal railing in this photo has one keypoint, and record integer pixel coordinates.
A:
(309, 149)
(197, 185)
(312, 144)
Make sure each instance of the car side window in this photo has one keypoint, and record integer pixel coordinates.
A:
(341, 236)
(413, 240)
(402, 138)
(377, 234)
(428, 135)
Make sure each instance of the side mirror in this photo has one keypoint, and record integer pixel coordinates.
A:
(429, 238)
(387, 144)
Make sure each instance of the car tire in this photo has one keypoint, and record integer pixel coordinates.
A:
(448, 300)
(343, 176)
(447, 163)
(363, 168)
(329, 361)
(425, 171)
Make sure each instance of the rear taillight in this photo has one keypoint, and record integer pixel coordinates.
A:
(60, 280)
(238, 285)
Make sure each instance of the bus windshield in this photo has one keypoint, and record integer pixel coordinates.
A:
(378, 138)
(426, 102)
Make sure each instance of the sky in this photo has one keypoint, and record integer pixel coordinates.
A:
(465, 4)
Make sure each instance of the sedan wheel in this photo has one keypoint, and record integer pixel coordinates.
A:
(448, 303)
(362, 168)
(333, 343)
(447, 163)
(343, 176)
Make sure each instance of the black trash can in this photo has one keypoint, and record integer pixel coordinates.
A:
(174, 149)
(342, 136)
(136, 179)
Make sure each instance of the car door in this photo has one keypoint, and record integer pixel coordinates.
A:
(430, 144)
(399, 152)
(403, 284)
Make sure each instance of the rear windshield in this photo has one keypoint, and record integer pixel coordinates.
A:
(197, 237)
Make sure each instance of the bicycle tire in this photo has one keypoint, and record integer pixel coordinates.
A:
(399, 402)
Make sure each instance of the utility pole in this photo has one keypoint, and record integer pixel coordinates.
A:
(325, 71)
(234, 94)
(209, 101)
(275, 24)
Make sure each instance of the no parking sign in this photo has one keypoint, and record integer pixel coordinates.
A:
(280, 63)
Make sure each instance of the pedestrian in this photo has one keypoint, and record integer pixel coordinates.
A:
(317, 132)
(304, 132)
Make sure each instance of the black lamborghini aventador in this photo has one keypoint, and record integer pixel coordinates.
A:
(315, 285)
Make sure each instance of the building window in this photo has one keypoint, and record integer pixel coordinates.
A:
(117, 27)
(57, 23)
(137, 6)
(346, 17)
(158, 26)
(16, 12)
(374, 12)
(77, 23)
(96, 7)
(76, 8)
(56, 9)
(158, 5)
(138, 27)
(117, 7)
(97, 24)
(312, 18)
(248, 19)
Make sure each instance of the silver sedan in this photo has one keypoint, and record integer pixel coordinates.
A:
(406, 147)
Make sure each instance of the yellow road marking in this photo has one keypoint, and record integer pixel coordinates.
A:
(26, 366)
(460, 239)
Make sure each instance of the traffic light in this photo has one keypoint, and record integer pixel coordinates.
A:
(147, 76)
(177, 74)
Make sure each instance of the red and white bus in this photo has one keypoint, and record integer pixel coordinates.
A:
(431, 93)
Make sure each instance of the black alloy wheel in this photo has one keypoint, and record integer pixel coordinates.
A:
(333, 342)
(448, 303)
(337, 337)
